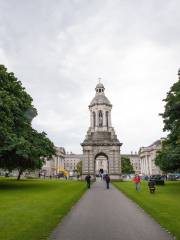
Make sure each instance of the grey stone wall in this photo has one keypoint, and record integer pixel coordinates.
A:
(113, 157)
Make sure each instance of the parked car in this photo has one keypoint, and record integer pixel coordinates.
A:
(158, 179)
(178, 176)
(173, 176)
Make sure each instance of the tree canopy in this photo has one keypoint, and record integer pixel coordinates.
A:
(126, 165)
(168, 158)
(21, 146)
(79, 167)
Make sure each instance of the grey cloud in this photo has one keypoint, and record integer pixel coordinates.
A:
(58, 49)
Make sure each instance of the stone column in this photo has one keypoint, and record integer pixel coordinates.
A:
(109, 114)
(91, 119)
(104, 118)
(146, 165)
(150, 165)
(56, 163)
(116, 162)
(142, 165)
(97, 118)
(88, 162)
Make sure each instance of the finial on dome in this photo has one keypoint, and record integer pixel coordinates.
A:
(99, 79)
(99, 87)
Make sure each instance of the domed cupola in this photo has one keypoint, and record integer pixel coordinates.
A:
(99, 88)
(100, 98)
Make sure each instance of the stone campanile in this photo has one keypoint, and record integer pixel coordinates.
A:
(101, 147)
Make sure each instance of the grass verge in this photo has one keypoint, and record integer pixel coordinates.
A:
(163, 206)
(31, 209)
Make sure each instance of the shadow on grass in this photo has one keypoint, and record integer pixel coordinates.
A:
(13, 184)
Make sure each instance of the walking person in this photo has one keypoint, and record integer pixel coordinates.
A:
(107, 179)
(88, 181)
(101, 171)
(151, 185)
(137, 181)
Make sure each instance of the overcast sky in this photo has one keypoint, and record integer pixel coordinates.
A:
(59, 48)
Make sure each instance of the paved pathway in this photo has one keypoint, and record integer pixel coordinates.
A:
(104, 214)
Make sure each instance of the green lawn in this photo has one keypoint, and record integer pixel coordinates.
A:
(164, 205)
(31, 209)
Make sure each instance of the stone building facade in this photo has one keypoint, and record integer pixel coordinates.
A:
(56, 164)
(147, 157)
(135, 161)
(97, 154)
(71, 160)
(101, 145)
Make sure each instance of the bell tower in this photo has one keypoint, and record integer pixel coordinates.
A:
(101, 148)
(100, 113)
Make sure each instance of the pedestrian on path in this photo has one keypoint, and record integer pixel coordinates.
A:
(88, 181)
(107, 179)
(151, 185)
(137, 181)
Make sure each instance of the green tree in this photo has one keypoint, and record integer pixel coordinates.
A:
(168, 158)
(21, 147)
(79, 168)
(126, 165)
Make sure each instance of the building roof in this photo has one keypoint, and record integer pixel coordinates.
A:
(156, 143)
(100, 99)
(99, 85)
(129, 155)
(154, 146)
(60, 150)
(73, 155)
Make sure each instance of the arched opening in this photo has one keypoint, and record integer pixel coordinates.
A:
(101, 164)
(107, 119)
(100, 118)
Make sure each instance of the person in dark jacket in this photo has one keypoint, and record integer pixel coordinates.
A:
(151, 185)
(88, 181)
(107, 179)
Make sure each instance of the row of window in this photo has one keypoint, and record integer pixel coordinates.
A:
(67, 164)
(100, 90)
